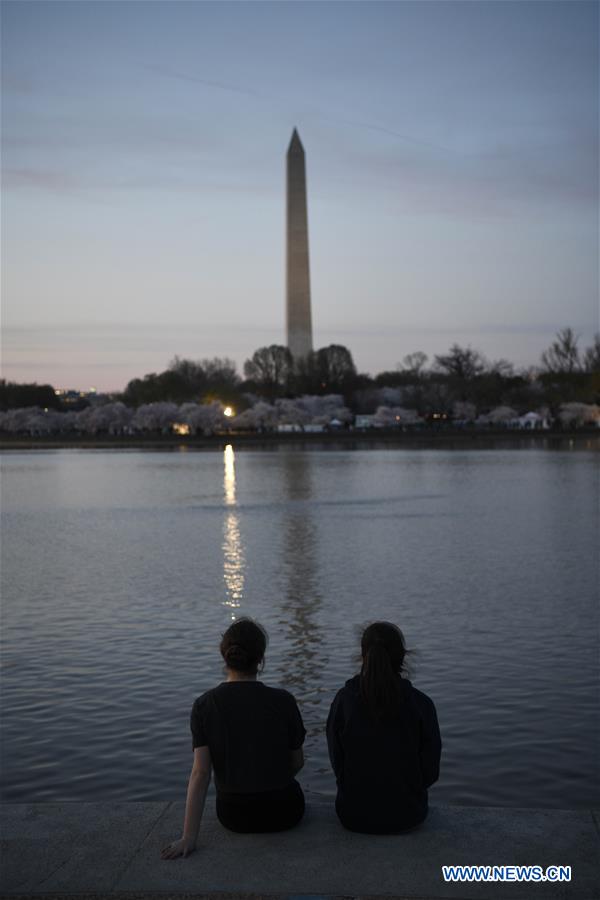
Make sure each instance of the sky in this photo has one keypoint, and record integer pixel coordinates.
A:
(452, 173)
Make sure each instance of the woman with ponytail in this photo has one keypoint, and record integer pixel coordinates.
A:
(252, 736)
(384, 740)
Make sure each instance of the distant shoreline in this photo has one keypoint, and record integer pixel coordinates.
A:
(446, 438)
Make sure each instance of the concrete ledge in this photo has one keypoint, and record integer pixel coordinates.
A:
(112, 849)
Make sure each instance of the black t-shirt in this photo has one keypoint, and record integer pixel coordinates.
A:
(383, 769)
(250, 730)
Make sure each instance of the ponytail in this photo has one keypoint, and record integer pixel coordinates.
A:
(383, 653)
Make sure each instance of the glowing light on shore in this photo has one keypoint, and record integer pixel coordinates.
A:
(228, 411)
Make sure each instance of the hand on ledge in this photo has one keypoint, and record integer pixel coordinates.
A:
(182, 847)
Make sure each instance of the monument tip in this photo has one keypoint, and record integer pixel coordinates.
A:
(295, 143)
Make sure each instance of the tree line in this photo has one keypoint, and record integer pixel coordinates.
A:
(566, 374)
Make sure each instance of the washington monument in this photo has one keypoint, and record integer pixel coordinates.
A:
(299, 326)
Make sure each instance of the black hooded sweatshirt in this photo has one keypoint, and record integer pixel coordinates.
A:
(383, 768)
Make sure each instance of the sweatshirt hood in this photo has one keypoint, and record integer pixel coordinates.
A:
(353, 684)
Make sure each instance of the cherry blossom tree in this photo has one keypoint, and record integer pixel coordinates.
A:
(574, 415)
(292, 412)
(260, 417)
(204, 417)
(501, 415)
(464, 411)
(23, 421)
(395, 416)
(110, 418)
(155, 417)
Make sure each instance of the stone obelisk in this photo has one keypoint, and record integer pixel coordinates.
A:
(299, 326)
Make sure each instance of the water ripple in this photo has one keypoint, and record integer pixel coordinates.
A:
(110, 629)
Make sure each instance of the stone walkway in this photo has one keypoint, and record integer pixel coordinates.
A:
(112, 850)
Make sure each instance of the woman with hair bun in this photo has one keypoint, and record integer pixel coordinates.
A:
(384, 740)
(252, 736)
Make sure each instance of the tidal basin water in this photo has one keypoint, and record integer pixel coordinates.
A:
(121, 569)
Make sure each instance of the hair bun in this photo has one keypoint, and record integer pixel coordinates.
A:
(243, 646)
(236, 656)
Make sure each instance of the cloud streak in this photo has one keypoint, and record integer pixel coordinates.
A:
(308, 111)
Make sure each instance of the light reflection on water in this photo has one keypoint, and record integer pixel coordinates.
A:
(301, 600)
(233, 552)
(121, 571)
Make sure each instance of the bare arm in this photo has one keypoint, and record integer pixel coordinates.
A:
(194, 805)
